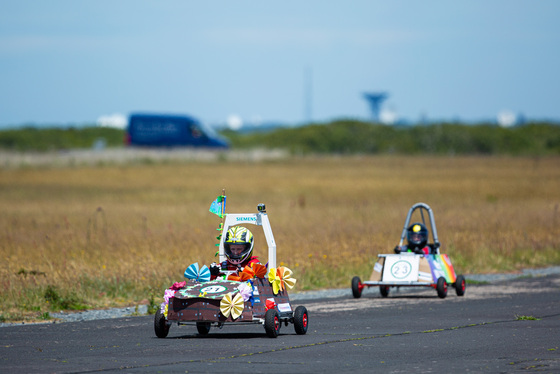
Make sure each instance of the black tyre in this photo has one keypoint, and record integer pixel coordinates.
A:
(441, 287)
(160, 325)
(384, 290)
(272, 323)
(357, 287)
(203, 328)
(301, 319)
(460, 285)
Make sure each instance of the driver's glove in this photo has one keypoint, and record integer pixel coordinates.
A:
(397, 249)
(214, 269)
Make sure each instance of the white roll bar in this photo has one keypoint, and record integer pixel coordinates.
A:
(432, 223)
(259, 219)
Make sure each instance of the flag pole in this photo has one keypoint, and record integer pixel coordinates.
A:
(221, 225)
(223, 205)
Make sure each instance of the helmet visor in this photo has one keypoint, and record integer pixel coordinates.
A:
(416, 238)
(237, 253)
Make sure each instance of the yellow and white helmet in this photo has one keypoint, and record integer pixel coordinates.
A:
(238, 235)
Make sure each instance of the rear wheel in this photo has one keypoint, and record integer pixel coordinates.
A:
(301, 319)
(384, 290)
(160, 325)
(203, 328)
(272, 323)
(441, 287)
(357, 287)
(460, 285)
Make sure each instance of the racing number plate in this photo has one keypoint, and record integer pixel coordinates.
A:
(400, 268)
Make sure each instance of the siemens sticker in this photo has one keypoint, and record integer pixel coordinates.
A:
(246, 219)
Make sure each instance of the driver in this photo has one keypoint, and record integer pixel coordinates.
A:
(417, 240)
(238, 249)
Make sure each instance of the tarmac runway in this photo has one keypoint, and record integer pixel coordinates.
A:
(503, 327)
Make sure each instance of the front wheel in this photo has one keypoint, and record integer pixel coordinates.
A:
(357, 287)
(301, 319)
(203, 328)
(441, 287)
(272, 323)
(160, 325)
(384, 290)
(460, 285)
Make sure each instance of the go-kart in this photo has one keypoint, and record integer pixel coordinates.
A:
(256, 295)
(409, 269)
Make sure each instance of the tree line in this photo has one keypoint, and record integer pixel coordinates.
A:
(356, 137)
(337, 137)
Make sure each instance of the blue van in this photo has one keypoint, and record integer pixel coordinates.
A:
(159, 130)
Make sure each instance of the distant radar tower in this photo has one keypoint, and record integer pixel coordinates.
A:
(375, 99)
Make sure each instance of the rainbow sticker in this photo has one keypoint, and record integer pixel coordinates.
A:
(441, 267)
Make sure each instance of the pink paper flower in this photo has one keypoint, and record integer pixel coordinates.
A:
(178, 285)
(245, 290)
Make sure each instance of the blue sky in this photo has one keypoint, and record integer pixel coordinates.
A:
(68, 61)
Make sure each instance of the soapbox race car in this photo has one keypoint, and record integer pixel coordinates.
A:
(256, 295)
(426, 268)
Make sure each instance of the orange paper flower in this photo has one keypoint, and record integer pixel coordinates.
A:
(259, 269)
(241, 277)
(249, 271)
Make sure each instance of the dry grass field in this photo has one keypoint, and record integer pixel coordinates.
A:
(91, 236)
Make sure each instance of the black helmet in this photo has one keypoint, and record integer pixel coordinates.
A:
(417, 235)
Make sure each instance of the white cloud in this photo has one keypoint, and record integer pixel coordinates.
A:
(506, 118)
(116, 120)
(388, 116)
(234, 122)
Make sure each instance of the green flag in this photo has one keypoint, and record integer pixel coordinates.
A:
(218, 206)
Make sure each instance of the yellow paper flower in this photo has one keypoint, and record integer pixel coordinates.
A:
(232, 305)
(274, 281)
(280, 279)
(286, 276)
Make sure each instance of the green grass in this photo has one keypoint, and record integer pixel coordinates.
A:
(337, 137)
(118, 235)
(526, 318)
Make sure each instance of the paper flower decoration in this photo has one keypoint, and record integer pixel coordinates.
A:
(245, 290)
(164, 307)
(281, 279)
(196, 274)
(249, 271)
(241, 277)
(178, 285)
(232, 305)
(258, 269)
(286, 275)
(168, 294)
(269, 304)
